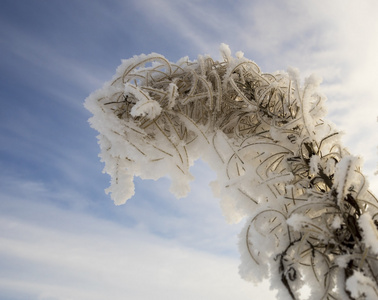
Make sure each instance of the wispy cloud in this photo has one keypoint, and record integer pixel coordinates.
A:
(53, 253)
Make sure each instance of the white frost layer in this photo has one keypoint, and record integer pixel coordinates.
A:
(315, 162)
(345, 176)
(297, 221)
(361, 286)
(145, 105)
(336, 222)
(369, 232)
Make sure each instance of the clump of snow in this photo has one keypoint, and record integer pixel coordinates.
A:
(343, 260)
(298, 221)
(360, 286)
(225, 51)
(239, 54)
(345, 176)
(315, 162)
(145, 106)
(369, 232)
(336, 223)
(151, 109)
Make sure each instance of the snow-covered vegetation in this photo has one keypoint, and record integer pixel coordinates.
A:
(311, 222)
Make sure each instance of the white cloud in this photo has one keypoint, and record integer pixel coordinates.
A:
(68, 255)
(173, 15)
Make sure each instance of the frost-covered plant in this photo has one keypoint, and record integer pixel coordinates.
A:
(311, 222)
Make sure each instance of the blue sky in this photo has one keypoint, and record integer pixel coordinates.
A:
(61, 236)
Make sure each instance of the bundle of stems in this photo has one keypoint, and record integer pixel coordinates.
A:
(311, 220)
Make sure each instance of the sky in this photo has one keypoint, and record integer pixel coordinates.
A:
(61, 236)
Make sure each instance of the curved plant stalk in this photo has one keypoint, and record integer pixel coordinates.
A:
(311, 224)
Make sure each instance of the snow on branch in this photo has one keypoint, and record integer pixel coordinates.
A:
(311, 221)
